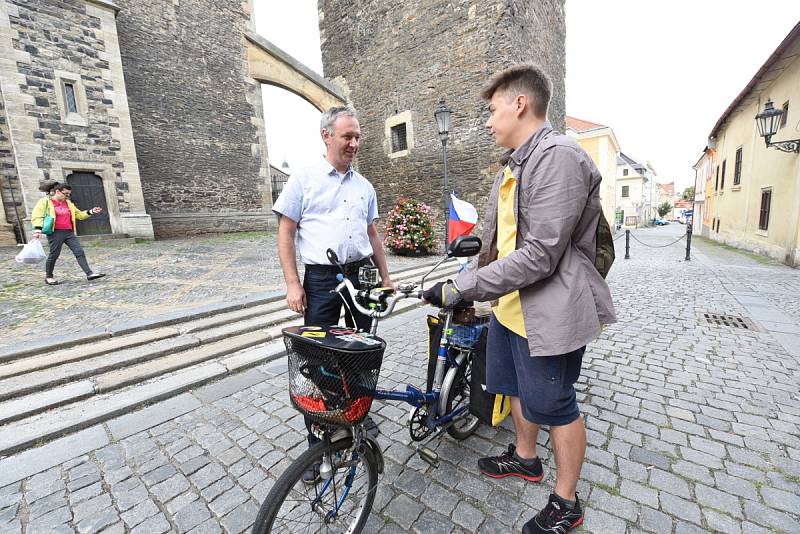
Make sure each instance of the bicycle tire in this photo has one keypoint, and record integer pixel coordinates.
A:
(269, 518)
(458, 393)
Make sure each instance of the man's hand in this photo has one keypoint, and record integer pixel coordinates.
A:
(387, 282)
(442, 294)
(296, 298)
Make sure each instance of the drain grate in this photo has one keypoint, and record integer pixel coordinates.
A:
(729, 320)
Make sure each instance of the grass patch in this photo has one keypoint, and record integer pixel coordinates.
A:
(766, 260)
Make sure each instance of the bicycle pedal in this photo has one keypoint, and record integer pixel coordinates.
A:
(429, 456)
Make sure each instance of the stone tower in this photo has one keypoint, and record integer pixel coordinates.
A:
(197, 115)
(395, 60)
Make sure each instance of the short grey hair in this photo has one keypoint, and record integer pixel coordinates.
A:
(330, 116)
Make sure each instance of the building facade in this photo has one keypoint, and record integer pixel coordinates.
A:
(703, 171)
(601, 144)
(150, 109)
(395, 61)
(635, 192)
(65, 113)
(755, 190)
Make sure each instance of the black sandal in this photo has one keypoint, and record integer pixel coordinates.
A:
(53, 283)
(94, 276)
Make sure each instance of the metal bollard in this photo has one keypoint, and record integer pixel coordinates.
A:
(627, 244)
(688, 242)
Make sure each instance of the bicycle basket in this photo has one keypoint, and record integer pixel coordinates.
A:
(466, 335)
(333, 372)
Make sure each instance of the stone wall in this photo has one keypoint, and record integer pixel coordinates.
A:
(196, 114)
(51, 44)
(395, 57)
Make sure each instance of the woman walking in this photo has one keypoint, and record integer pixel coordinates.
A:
(58, 206)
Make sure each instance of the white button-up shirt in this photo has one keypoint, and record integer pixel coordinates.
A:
(332, 210)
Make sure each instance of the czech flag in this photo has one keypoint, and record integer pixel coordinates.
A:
(463, 217)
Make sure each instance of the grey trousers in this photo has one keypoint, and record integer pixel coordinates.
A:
(56, 241)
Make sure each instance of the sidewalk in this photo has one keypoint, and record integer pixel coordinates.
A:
(143, 280)
(692, 427)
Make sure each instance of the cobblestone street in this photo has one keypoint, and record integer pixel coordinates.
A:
(692, 426)
(144, 279)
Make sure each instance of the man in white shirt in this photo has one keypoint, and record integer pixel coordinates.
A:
(329, 205)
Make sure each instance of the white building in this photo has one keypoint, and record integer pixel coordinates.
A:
(636, 199)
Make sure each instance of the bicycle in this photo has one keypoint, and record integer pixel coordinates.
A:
(333, 375)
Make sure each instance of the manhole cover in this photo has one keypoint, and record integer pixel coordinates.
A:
(729, 320)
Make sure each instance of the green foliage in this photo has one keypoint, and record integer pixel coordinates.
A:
(409, 228)
(688, 193)
(664, 208)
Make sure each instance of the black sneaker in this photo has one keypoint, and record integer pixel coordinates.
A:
(506, 465)
(555, 518)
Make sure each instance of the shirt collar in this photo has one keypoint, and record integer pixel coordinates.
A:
(330, 170)
(524, 150)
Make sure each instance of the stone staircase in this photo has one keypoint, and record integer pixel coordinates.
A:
(47, 391)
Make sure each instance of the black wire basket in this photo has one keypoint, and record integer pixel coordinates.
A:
(333, 372)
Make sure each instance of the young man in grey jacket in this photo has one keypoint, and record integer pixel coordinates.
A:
(537, 264)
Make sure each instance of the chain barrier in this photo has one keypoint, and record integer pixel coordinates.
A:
(628, 234)
(657, 246)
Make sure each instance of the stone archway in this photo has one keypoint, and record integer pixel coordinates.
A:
(270, 65)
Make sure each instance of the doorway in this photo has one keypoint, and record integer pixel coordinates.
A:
(88, 192)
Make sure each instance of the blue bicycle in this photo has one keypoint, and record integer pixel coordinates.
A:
(333, 375)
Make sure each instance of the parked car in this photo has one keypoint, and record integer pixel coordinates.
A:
(660, 222)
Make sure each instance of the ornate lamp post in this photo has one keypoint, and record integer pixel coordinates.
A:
(442, 116)
(768, 122)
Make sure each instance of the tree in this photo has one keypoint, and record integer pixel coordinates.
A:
(688, 193)
(664, 208)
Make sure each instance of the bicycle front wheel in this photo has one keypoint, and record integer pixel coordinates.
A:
(340, 504)
(457, 396)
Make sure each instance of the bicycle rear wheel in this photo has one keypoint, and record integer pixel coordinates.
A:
(325, 506)
(457, 396)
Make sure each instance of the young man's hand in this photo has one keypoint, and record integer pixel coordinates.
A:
(442, 295)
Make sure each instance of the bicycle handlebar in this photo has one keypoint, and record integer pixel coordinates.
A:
(391, 301)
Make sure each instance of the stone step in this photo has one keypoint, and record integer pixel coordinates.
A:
(21, 434)
(59, 357)
(38, 406)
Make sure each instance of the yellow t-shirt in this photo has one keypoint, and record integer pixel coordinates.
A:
(508, 310)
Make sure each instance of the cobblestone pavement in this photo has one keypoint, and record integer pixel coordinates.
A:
(691, 428)
(144, 279)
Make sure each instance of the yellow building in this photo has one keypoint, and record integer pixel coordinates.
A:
(753, 195)
(601, 144)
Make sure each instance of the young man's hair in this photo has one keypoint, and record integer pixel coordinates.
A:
(526, 79)
(330, 116)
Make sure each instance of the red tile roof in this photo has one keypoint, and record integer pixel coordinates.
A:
(581, 126)
(667, 188)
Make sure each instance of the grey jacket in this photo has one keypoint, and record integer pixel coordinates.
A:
(564, 299)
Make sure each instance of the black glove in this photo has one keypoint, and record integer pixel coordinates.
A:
(442, 295)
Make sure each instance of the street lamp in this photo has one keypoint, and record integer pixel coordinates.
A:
(442, 116)
(768, 122)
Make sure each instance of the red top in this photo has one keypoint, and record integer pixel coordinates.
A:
(63, 215)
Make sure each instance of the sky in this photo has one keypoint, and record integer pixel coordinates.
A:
(659, 74)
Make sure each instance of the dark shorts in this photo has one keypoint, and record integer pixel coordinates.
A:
(544, 384)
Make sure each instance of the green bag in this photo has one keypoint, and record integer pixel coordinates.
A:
(49, 221)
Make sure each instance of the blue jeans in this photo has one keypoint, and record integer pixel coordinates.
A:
(323, 309)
